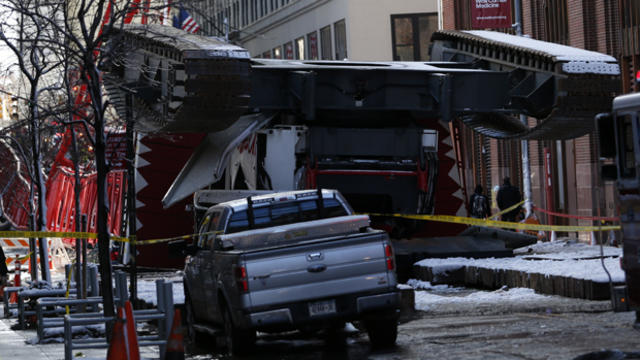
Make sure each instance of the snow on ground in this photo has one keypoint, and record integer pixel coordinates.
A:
(444, 299)
(426, 300)
(426, 285)
(566, 258)
(147, 288)
(566, 248)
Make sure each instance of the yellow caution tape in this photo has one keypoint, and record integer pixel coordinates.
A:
(512, 207)
(157, 241)
(87, 235)
(500, 224)
(438, 218)
(11, 259)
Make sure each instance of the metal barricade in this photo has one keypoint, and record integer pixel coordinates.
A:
(163, 314)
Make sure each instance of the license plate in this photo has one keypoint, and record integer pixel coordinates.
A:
(322, 307)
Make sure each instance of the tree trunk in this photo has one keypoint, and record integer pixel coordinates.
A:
(94, 87)
(41, 213)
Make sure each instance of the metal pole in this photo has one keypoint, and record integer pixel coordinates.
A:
(524, 144)
(76, 214)
(131, 200)
(84, 258)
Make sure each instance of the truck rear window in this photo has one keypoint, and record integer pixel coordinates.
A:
(285, 213)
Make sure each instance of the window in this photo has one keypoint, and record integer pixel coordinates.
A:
(325, 43)
(277, 53)
(556, 21)
(627, 157)
(245, 16)
(340, 31)
(312, 45)
(285, 213)
(254, 10)
(266, 54)
(300, 48)
(411, 36)
(288, 50)
(209, 226)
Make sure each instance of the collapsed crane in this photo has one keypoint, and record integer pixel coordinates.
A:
(377, 131)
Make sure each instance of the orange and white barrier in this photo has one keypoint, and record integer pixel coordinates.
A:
(14, 243)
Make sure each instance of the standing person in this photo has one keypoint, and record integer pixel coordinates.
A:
(508, 195)
(479, 204)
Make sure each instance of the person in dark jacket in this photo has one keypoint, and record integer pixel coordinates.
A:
(508, 195)
(479, 204)
(4, 272)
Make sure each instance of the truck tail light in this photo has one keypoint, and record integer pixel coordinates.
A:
(388, 253)
(241, 279)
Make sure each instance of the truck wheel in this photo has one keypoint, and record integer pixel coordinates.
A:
(193, 337)
(382, 332)
(238, 342)
(335, 336)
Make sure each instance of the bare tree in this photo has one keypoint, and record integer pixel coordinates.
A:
(29, 38)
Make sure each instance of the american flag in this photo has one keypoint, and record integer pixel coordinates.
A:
(185, 22)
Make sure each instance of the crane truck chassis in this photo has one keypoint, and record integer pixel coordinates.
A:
(376, 131)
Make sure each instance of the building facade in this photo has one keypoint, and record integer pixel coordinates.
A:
(359, 30)
(609, 27)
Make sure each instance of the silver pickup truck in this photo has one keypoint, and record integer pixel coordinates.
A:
(286, 261)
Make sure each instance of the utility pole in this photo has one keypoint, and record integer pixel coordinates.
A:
(524, 144)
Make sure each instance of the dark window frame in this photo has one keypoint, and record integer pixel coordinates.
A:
(415, 24)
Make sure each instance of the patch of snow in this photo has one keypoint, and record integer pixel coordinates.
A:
(147, 290)
(349, 328)
(424, 300)
(560, 52)
(403, 287)
(442, 269)
(426, 285)
(559, 258)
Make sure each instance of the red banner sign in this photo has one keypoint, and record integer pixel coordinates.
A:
(490, 14)
(116, 150)
(313, 46)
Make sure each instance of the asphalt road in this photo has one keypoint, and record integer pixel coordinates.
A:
(512, 336)
(560, 328)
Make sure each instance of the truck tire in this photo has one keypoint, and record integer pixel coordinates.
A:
(193, 338)
(382, 332)
(238, 341)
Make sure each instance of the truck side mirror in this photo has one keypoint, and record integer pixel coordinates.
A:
(606, 134)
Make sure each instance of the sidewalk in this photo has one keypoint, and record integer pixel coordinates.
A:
(17, 344)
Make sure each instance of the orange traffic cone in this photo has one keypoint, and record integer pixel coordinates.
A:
(132, 336)
(118, 346)
(16, 281)
(175, 343)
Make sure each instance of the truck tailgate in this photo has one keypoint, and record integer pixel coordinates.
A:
(337, 266)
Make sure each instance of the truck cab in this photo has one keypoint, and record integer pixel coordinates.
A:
(619, 144)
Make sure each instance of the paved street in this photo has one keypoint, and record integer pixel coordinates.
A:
(554, 328)
(535, 327)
